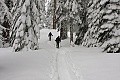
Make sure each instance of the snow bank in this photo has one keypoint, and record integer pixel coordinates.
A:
(31, 65)
(94, 65)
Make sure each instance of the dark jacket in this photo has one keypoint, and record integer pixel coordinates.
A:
(50, 34)
(58, 39)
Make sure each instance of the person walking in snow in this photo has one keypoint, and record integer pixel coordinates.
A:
(49, 35)
(58, 40)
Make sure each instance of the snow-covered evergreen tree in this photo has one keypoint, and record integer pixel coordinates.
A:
(83, 26)
(68, 16)
(104, 23)
(49, 13)
(61, 22)
(111, 28)
(41, 9)
(25, 30)
(9, 4)
(93, 23)
(5, 23)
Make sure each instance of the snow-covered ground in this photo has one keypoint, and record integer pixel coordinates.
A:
(91, 64)
(65, 63)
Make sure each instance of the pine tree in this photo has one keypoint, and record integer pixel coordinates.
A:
(104, 22)
(49, 14)
(26, 25)
(9, 4)
(110, 28)
(5, 22)
(41, 9)
(61, 22)
(68, 17)
(83, 25)
(90, 38)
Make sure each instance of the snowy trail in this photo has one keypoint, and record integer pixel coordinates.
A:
(59, 68)
(65, 63)
(62, 66)
(31, 65)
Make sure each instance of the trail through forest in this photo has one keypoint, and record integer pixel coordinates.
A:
(62, 68)
(65, 63)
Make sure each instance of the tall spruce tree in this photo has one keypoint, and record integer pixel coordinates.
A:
(41, 9)
(26, 25)
(61, 22)
(90, 38)
(5, 23)
(83, 26)
(9, 4)
(110, 28)
(104, 22)
(49, 14)
(68, 17)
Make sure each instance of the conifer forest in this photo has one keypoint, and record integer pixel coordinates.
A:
(96, 23)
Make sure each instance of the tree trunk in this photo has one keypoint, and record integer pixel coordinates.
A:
(54, 15)
(71, 33)
(63, 30)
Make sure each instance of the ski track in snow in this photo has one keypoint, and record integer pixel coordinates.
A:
(62, 67)
(63, 71)
(75, 72)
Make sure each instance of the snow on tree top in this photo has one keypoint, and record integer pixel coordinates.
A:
(117, 32)
(28, 20)
(108, 11)
(103, 2)
(23, 8)
(107, 25)
(111, 16)
(35, 10)
(74, 6)
(114, 0)
(67, 3)
(117, 20)
(23, 18)
(113, 6)
(27, 2)
(1, 27)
